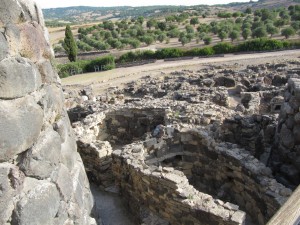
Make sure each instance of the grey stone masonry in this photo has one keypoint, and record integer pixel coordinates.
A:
(286, 151)
(42, 178)
(221, 170)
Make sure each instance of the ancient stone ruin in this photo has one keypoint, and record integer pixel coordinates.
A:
(213, 145)
(42, 177)
(194, 147)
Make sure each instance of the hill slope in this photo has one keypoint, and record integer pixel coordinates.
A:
(82, 14)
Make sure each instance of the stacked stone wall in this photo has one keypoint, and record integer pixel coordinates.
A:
(124, 125)
(232, 174)
(168, 193)
(222, 170)
(42, 178)
(254, 133)
(286, 151)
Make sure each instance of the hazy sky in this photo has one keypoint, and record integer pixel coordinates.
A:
(65, 3)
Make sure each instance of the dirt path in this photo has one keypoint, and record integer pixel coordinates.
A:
(110, 208)
(117, 77)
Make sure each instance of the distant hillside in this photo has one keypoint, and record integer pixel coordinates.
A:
(264, 4)
(85, 14)
(82, 14)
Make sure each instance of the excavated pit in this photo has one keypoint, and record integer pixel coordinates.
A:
(199, 154)
(181, 174)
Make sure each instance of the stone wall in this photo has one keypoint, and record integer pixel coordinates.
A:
(254, 133)
(168, 193)
(220, 169)
(286, 151)
(97, 132)
(233, 175)
(124, 125)
(42, 178)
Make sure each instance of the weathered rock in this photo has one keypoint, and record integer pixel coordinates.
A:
(22, 120)
(33, 44)
(11, 12)
(297, 118)
(32, 11)
(39, 205)
(225, 81)
(42, 178)
(287, 137)
(11, 183)
(42, 159)
(3, 47)
(279, 80)
(47, 73)
(63, 180)
(18, 77)
(51, 100)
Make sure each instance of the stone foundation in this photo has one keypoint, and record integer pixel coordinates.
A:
(168, 193)
(222, 170)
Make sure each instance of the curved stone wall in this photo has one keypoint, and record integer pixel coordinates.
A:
(42, 178)
(221, 170)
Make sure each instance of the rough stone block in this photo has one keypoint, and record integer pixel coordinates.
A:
(239, 217)
(39, 204)
(294, 86)
(52, 103)
(286, 136)
(41, 160)
(11, 181)
(47, 73)
(11, 12)
(33, 43)
(20, 125)
(63, 180)
(3, 47)
(81, 195)
(18, 77)
(33, 12)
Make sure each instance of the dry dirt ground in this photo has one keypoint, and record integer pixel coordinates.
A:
(100, 81)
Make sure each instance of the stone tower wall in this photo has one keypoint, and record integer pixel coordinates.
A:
(286, 151)
(42, 178)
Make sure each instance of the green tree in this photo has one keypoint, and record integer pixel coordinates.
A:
(135, 43)
(194, 21)
(161, 37)
(162, 26)
(246, 33)
(259, 32)
(236, 14)
(174, 33)
(184, 40)
(148, 39)
(151, 23)
(70, 44)
(267, 14)
(202, 35)
(234, 35)
(170, 18)
(271, 29)
(248, 10)
(189, 29)
(140, 20)
(296, 25)
(203, 28)
(207, 40)
(287, 32)
(222, 35)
